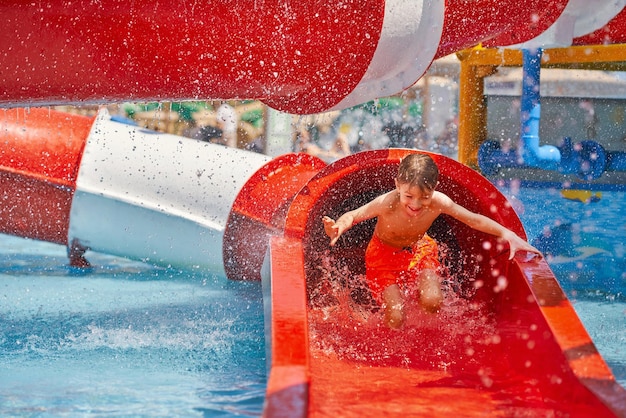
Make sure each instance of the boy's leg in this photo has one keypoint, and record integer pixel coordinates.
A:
(430, 293)
(393, 306)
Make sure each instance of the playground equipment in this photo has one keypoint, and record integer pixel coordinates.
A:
(581, 164)
(94, 183)
(297, 57)
(330, 361)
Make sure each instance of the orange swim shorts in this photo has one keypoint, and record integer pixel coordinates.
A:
(386, 265)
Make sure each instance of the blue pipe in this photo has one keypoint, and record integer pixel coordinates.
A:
(587, 159)
(546, 156)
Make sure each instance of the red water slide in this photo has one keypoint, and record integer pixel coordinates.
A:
(297, 56)
(506, 343)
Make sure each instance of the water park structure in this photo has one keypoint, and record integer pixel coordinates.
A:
(582, 164)
(523, 350)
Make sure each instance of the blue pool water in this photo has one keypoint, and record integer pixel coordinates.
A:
(129, 339)
(125, 338)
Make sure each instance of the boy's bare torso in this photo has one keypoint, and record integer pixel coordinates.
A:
(396, 228)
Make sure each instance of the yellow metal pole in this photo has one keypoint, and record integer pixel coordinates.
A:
(472, 110)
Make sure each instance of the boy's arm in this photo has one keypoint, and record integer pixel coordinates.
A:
(487, 225)
(334, 229)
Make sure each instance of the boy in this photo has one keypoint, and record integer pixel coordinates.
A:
(400, 250)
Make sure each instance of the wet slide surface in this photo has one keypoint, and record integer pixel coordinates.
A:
(454, 364)
(507, 341)
(468, 359)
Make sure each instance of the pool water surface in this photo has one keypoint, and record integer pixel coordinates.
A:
(124, 338)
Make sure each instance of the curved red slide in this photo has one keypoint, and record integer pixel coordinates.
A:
(506, 343)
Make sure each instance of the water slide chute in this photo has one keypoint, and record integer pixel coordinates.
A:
(298, 57)
(330, 360)
(576, 25)
(240, 213)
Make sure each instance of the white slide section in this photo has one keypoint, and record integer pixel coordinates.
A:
(408, 43)
(156, 197)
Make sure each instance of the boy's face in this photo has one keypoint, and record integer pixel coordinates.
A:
(413, 199)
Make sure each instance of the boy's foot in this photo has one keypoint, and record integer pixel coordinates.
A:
(394, 317)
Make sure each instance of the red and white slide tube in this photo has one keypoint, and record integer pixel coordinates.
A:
(297, 56)
(94, 183)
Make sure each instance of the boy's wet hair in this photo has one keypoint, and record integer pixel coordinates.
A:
(418, 170)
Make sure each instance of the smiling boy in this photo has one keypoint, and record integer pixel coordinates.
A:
(400, 251)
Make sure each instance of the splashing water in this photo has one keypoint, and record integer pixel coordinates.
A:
(353, 329)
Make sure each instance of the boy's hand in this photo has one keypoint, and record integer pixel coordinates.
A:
(516, 244)
(335, 229)
(331, 229)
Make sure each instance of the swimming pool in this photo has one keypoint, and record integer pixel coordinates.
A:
(127, 338)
